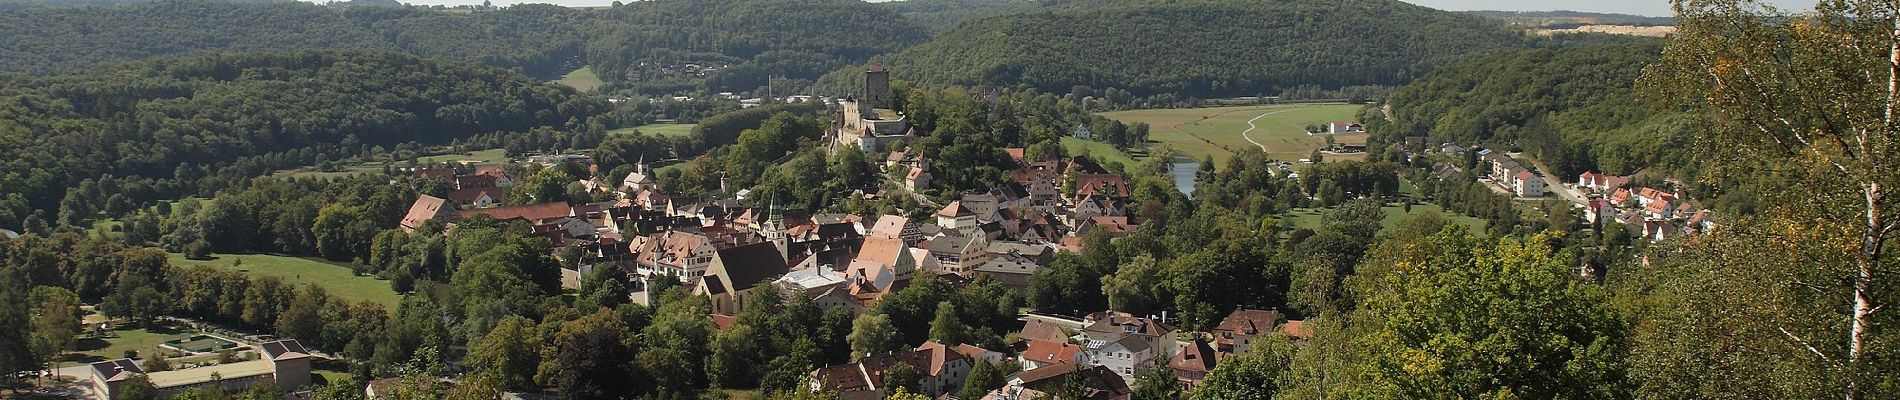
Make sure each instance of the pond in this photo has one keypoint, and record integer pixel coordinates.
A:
(1183, 169)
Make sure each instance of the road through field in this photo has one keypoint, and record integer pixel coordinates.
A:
(1250, 128)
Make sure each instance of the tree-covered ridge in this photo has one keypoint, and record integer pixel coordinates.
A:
(543, 40)
(1574, 107)
(937, 15)
(644, 44)
(1204, 48)
(40, 40)
(651, 41)
(160, 126)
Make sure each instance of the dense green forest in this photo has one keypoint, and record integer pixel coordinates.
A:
(110, 138)
(1192, 48)
(650, 43)
(938, 15)
(40, 40)
(646, 44)
(1576, 108)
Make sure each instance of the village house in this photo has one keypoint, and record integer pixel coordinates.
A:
(1098, 383)
(1125, 342)
(1527, 184)
(1192, 364)
(1600, 183)
(1236, 333)
(941, 370)
(1042, 353)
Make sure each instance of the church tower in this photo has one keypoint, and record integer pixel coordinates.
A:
(774, 229)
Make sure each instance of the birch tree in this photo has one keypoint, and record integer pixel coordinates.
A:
(1805, 114)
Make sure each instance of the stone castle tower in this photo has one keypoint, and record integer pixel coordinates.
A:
(877, 88)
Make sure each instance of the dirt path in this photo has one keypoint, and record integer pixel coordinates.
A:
(1250, 128)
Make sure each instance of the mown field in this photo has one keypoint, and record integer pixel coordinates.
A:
(338, 280)
(489, 156)
(582, 79)
(1216, 131)
(656, 129)
(1097, 150)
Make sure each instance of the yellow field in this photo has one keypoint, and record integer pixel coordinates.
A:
(1217, 131)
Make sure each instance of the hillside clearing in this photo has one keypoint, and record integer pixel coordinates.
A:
(664, 130)
(584, 80)
(338, 280)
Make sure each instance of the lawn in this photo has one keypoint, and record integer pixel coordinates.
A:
(1097, 150)
(489, 156)
(656, 130)
(143, 340)
(1216, 131)
(339, 280)
(582, 79)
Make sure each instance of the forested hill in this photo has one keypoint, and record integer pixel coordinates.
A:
(660, 45)
(153, 129)
(937, 15)
(40, 40)
(651, 43)
(1574, 107)
(1204, 48)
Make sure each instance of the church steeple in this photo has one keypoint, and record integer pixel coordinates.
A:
(774, 228)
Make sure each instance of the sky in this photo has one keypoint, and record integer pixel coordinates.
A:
(1659, 8)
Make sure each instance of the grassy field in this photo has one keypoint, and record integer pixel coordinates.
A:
(656, 129)
(336, 279)
(145, 341)
(1097, 150)
(479, 156)
(582, 79)
(1216, 131)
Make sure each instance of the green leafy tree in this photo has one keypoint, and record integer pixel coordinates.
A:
(903, 377)
(510, 352)
(594, 357)
(984, 377)
(343, 232)
(1254, 375)
(1156, 384)
(1822, 164)
(546, 185)
(137, 388)
(872, 333)
(945, 327)
(55, 321)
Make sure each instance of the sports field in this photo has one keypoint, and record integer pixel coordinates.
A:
(339, 281)
(1218, 131)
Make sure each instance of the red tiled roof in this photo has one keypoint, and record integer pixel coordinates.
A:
(1195, 357)
(528, 212)
(1050, 352)
(955, 209)
(938, 357)
(1297, 329)
(424, 209)
(470, 195)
